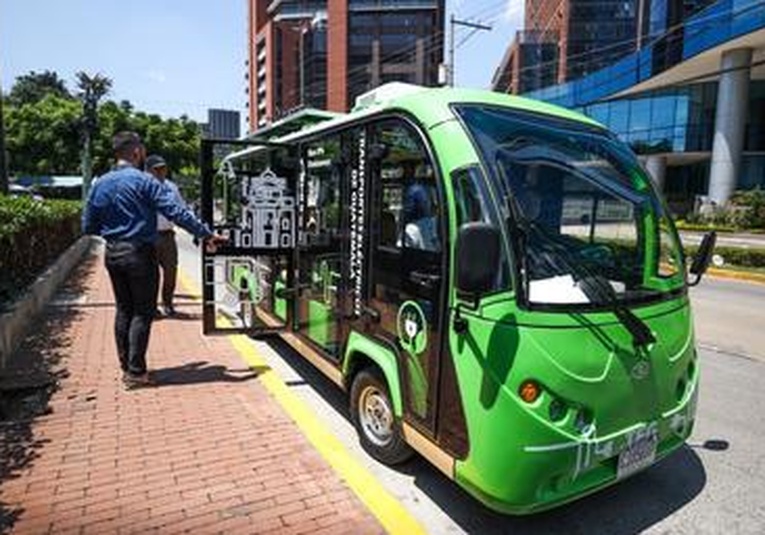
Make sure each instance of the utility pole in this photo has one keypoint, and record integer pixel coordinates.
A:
(457, 22)
(3, 162)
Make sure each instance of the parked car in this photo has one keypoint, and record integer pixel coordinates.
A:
(17, 190)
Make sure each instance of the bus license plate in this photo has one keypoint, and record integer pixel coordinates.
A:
(640, 454)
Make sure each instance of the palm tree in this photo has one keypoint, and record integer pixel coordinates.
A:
(3, 165)
(91, 90)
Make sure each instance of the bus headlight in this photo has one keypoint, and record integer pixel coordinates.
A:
(529, 391)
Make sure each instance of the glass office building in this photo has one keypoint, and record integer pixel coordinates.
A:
(324, 53)
(690, 99)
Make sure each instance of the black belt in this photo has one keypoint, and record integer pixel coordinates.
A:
(168, 231)
(122, 246)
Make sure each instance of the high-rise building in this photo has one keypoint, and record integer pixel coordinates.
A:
(324, 53)
(566, 39)
(687, 92)
(222, 124)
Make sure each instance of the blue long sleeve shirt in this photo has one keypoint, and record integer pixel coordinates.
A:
(123, 205)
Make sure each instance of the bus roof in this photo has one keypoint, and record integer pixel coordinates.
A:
(431, 106)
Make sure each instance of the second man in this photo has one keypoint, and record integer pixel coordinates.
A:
(167, 249)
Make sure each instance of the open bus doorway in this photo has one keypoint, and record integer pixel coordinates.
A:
(251, 201)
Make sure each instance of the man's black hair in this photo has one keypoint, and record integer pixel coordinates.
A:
(125, 143)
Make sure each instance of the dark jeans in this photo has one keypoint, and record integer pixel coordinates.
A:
(167, 256)
(133, 272)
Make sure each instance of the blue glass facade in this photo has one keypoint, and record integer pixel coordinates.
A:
(677, 121)
(719, 23)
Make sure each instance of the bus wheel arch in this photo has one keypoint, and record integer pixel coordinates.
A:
(372, 414)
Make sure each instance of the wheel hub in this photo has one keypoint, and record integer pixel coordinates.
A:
(376, 416)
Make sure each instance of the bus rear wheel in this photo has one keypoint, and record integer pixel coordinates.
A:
(372, 414)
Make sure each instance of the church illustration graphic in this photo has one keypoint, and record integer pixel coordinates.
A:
(268, 213)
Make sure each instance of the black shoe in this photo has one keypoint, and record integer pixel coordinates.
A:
(169, 311)
(133, 382)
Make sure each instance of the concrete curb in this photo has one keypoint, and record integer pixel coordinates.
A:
(758, 278)
(15, 322)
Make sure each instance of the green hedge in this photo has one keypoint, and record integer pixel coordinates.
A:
(736, 256)
(32, 235)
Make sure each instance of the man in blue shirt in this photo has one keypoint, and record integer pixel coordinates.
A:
(122, 208)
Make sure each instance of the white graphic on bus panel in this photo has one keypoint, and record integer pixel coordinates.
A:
(268, 213)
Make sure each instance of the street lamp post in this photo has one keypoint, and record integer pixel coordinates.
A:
(3, 160)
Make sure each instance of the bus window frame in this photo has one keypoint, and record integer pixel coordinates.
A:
(428, 426)
(509, 255)
(367, 122)
(519, 266)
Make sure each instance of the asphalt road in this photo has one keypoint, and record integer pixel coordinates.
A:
(715, 484)
(729, 317)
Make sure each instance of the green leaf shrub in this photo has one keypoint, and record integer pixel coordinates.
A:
(32, 235)
(744, 211)
(736, 256)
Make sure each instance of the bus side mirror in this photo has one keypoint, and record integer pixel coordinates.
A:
(703, 257)
(478, 254)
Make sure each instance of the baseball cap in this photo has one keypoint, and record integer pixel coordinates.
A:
(154, 161)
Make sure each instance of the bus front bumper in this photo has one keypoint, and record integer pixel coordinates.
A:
(549, 475)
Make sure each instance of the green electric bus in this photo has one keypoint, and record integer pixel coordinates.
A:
(494, 281)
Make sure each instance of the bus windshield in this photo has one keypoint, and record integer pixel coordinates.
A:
(590, 229)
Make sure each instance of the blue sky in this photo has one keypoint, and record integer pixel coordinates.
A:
(185, 56)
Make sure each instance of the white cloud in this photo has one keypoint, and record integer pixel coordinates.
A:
(156, 76)
(514, 12)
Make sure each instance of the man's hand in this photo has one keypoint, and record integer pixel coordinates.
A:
(213, 242)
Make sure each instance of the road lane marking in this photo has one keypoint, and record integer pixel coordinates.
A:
(388, 510)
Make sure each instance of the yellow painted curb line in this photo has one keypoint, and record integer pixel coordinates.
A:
(737, 275)
(389, 511)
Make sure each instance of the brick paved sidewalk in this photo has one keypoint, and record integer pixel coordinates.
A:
(208, 451)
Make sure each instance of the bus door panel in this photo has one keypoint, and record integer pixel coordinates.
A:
(407, 264)
(323, 244)
(248, 196)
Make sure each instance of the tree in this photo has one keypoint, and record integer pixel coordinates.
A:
(112, 118)
(3, 163)
(44, 138)
(33, 87)
(91, 90)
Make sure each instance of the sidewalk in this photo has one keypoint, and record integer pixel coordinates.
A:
(207, 451)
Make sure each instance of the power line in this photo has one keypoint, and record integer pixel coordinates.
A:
(432, 43)
(670, 33)
(457, 22)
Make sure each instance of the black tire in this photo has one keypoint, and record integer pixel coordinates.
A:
(379, 434)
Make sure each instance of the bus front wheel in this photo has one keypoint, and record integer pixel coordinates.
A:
(372, 413)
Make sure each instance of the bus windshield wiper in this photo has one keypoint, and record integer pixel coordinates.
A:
(593, 285)
(598, 287)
